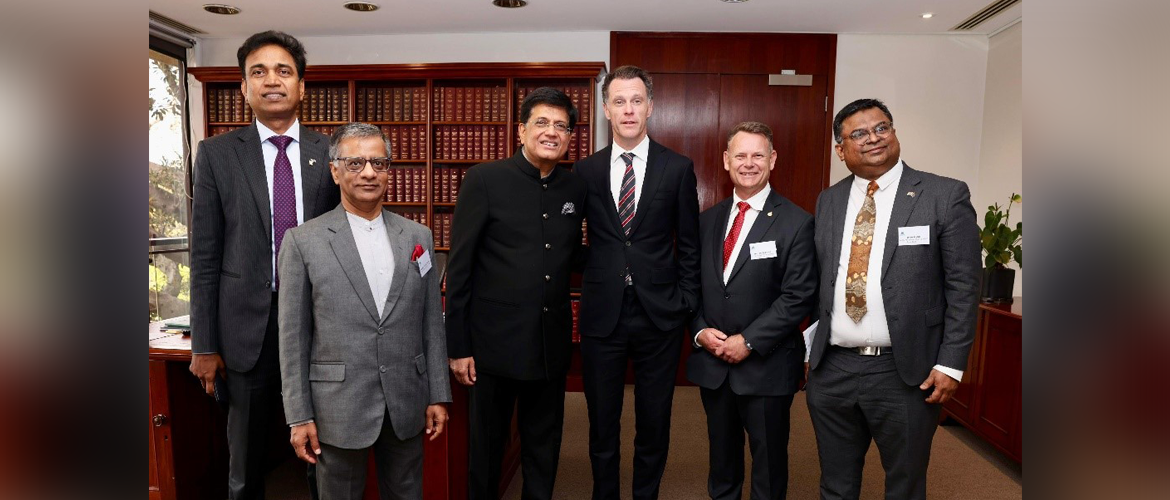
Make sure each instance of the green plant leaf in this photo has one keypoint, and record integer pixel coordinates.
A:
(1018, 252)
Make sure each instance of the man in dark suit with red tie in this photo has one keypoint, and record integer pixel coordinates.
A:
(250, 186)
(640, 286)
(759, 283)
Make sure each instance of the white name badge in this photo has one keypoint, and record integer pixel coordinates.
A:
(424, 263)
(763, 250)
(914, 235)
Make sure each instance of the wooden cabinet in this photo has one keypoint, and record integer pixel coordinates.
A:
(441, 119)
(988, 400)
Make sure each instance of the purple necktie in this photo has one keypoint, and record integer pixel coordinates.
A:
(284, 193)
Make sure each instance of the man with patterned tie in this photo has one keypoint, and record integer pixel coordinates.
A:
(250, 186)
(640, 286)
(759, 283)
(900, 256)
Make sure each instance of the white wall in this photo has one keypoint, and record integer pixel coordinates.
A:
(1001, 151)
(933, 85)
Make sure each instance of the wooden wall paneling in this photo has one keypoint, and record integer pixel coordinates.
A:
(686, 119)
(162, 469)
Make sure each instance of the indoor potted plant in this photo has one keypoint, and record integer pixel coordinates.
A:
(1001, 244)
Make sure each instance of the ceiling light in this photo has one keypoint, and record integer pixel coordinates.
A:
(510, 4)
(361, 6)
(927, 15)
(219, 8)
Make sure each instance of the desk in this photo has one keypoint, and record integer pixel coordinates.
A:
(188, 443)
(988, 400)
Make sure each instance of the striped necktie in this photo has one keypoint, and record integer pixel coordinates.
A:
(626, 202)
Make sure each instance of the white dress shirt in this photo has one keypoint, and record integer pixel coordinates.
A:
(757, 205)
(294, 158)
(373, 244)
(617, 169)
(873, 329)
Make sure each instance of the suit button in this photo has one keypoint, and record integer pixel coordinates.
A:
(547, 277)
(547, 246)
(727, 295)
(382, 368)
(267, 284)
(381, 331)
(628, 243)
(545, 215)
(545, 186)
(544, 309)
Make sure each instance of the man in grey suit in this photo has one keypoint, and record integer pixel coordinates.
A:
(363, 354)
(899, 256)
(250, 185)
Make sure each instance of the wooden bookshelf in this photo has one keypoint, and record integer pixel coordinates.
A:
(440, 118)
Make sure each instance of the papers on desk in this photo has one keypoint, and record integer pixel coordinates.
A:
(178, 324)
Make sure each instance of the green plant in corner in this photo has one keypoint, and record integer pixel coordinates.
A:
(1001, 243)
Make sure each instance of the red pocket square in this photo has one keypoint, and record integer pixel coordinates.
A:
(418, 251)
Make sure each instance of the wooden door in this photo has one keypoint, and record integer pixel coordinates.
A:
(796, 116)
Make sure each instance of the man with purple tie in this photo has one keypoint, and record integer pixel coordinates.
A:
(250, 186)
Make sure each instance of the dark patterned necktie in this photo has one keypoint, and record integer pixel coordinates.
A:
(861, 244)
(733, 235)
(626, 201)
(284, 193)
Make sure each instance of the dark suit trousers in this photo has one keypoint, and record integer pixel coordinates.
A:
(540, 407)
(655, 354)
(341, 472)
(853, 399)
(254, 402)
(766, 420)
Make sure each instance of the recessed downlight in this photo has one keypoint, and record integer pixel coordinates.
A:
(219, 8)
(927, 15)
(510, 4)
(361, 6)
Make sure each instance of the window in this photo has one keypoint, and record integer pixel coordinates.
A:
(169, 275)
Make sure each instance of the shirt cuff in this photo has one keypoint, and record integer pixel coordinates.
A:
(302, 422)
(695, 341)
(809, 333)
(950, 372)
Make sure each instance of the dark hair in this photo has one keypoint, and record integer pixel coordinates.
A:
(751, 128)
(854, 108)
(278, 38)
(628, 72)
(359, 130)
(550, 97)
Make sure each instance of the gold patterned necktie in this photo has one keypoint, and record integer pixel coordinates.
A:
(861, 243)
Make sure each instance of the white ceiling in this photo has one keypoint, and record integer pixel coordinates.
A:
(329, 18)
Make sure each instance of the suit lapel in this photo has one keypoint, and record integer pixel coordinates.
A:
(650, 183)
(603, 166)
(903, 207)
(251, 159)
(402, 264)
(759, 228)
(345, 249)
(838, 204)
(718, 234)
(313, 157)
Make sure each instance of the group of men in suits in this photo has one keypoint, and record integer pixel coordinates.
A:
(351, 334)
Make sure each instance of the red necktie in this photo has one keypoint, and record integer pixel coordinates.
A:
(733, 235)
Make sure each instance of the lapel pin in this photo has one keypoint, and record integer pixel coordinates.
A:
(312, 161)
(769, 214)
(910, 193)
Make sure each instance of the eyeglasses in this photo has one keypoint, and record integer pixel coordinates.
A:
(881, 130)
(561, 127)
(357, 164)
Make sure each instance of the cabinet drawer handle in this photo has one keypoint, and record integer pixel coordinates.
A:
(159, 420)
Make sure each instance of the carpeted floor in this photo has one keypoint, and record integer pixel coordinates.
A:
(961, 466)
